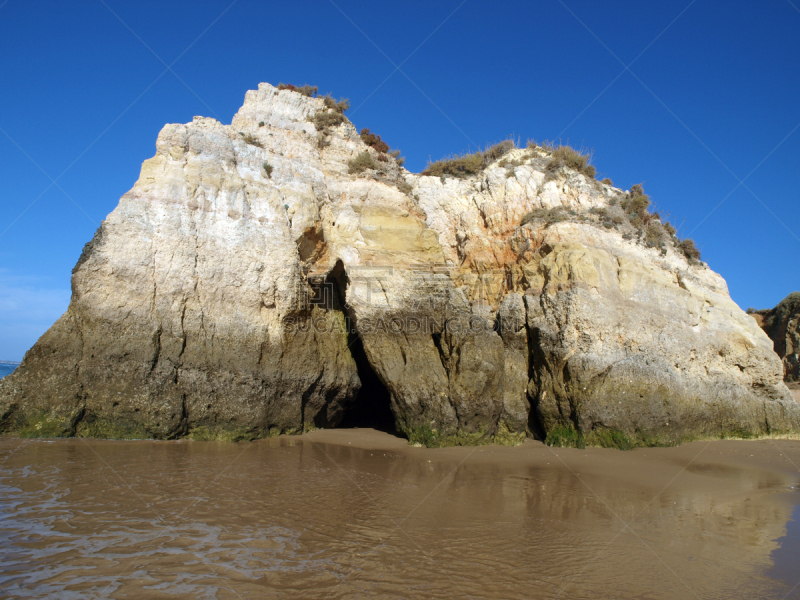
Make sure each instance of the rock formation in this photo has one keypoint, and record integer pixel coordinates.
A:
(223, 298)
(782, 325)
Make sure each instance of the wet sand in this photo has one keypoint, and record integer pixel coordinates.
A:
(360, 514)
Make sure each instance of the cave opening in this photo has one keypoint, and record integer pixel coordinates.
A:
(372, 406)
(535, 426)
(536, 361)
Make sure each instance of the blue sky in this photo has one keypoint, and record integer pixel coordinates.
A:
(710, 99)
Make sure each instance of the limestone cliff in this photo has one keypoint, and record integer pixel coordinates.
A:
(225, 295)
(782, 325)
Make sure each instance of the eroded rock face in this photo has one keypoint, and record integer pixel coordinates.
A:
(782, 325)
(223, 295)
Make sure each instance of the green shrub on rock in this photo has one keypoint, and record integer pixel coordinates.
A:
(654, 234)
(492, 153)
(249, 138)
(306, 90)
(566, 156)
(332, 115)
(548, 215)
(689, 249)
(339, 106)
(636, 204)
(400, 160)
(456, 166)
(405, 187)
(361, 163)
(328, 118)
(468, 164)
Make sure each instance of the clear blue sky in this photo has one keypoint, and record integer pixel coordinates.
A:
(711, 98)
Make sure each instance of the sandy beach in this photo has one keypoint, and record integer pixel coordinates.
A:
(359, 513)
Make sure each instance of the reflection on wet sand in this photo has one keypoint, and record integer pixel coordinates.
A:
(786, 558)
(356, 513)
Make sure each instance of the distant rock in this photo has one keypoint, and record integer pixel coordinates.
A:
(782, 325)
(227, 294)
(794, 388)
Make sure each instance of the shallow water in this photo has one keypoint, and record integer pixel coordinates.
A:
(786, 558)
(359, 514)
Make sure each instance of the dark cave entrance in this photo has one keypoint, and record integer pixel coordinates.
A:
(372, 406)
(535, 426)
(536, 362)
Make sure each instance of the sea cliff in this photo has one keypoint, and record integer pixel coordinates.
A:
(257, 273)
(782, 325)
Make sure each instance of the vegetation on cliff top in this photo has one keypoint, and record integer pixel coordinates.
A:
(630, 214)
(465, 165)
(311, 91)
(566, 156)
(306, 90)
(633, 209)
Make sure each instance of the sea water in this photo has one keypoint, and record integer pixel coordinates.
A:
(7, 369)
